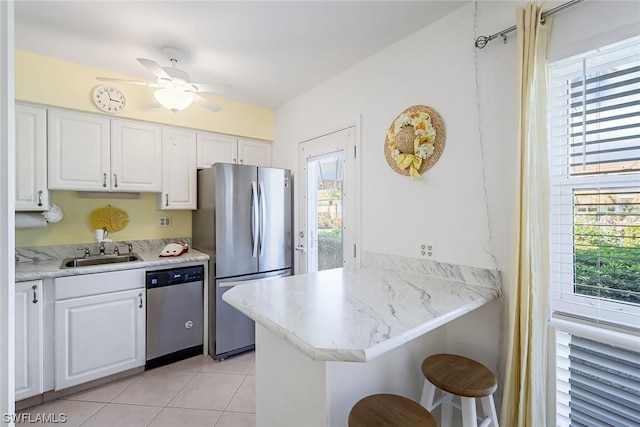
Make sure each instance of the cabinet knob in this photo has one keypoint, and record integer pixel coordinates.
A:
(115, 180)
(234, 160)
(35, 295)
(104, 180)
(39, 197)
(166, 198)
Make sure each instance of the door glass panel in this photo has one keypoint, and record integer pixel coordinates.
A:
(324, 211)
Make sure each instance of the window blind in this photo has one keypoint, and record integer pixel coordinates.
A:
(595, 184)
(596, 384)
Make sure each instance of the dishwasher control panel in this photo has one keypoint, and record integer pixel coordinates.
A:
(174, 276)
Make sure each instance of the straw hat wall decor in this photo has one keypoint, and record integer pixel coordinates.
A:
(415, 141)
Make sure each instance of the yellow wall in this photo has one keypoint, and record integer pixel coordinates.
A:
(75, 226)
(50, 81)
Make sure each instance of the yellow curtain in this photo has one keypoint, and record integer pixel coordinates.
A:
(524, 398)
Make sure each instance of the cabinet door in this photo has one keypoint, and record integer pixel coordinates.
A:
(136, 156)
(216, 148)
(29, 356)
(98, 335)
(31, 158)
(78, 151)
(255, 153)
(179, 171)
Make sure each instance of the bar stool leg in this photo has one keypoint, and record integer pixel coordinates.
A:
(428, 395)
(469, 415)
(489, 409)
(446, 409)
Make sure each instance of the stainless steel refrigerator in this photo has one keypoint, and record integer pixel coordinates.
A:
(244, 223)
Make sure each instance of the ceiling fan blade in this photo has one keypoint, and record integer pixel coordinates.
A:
(155, 68)
(154, 104)
(133, 82)
(204, 102)
(219, 88)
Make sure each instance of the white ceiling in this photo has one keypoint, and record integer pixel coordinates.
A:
(269, 51)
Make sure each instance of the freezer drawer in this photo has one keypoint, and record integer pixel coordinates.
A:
(235, 332)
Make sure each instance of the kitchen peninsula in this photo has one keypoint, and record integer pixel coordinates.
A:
(324, 340)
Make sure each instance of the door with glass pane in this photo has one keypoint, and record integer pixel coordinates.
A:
(324, 202)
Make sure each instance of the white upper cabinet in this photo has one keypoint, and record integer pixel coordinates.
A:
(216, 148)
(31, 158)
(88, 152)
(136, 156)
(252, 152)
(179, 171)
(79, 151)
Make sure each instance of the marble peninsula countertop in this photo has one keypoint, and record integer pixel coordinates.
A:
(40, 263)
(356, 315)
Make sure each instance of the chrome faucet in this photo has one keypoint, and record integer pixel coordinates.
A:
(129, 246)
(87, 252)
(101, 248)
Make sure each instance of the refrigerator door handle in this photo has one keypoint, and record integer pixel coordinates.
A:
(254, 218)
(263, 215)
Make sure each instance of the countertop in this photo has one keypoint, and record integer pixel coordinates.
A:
(356, 315)
(35, 270)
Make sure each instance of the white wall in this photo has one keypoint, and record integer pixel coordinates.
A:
(7, 193)
(435, 66)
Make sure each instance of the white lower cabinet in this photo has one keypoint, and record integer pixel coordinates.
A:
(99, 333)
(29, 348)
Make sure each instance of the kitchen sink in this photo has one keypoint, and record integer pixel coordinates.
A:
(98, 260)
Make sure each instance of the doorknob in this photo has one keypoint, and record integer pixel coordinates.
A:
(301, 248)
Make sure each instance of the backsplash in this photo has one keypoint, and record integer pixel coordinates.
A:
(459, 273)
(54, 252)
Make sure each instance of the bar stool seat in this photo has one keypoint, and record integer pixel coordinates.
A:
(464, 377)
(389, 410)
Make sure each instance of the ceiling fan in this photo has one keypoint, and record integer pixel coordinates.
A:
(174, 88)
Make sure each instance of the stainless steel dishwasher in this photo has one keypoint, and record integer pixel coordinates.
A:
(175, 314)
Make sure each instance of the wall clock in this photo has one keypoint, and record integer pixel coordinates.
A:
(109, 99)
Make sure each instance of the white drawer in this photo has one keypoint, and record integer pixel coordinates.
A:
(98, 283)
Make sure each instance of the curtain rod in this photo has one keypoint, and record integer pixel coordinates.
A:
(482, 41)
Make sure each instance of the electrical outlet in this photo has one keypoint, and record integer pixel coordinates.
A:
(165, 221)
(428, 250)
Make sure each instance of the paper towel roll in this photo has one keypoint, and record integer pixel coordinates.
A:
(30, 220)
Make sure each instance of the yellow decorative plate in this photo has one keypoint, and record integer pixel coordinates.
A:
(113, 219)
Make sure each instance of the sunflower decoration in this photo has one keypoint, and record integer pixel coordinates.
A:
(415, 141)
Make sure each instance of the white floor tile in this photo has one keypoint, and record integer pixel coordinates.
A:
(232, 419)
(245, 398)
(208, 391)
(104, 393)
(172, 417)
(239, 364)
(74, 412)
(155, 388)
(116, 415)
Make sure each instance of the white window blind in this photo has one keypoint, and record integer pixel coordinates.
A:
(595, 185)
(596, 384)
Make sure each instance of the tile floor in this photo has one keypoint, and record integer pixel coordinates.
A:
(195, 392)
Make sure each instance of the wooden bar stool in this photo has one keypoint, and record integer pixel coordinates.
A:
(460, 376)
(389, 410)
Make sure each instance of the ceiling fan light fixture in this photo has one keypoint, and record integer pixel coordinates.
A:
(174, 99)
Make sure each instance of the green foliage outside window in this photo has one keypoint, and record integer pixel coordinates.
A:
(607, 261)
